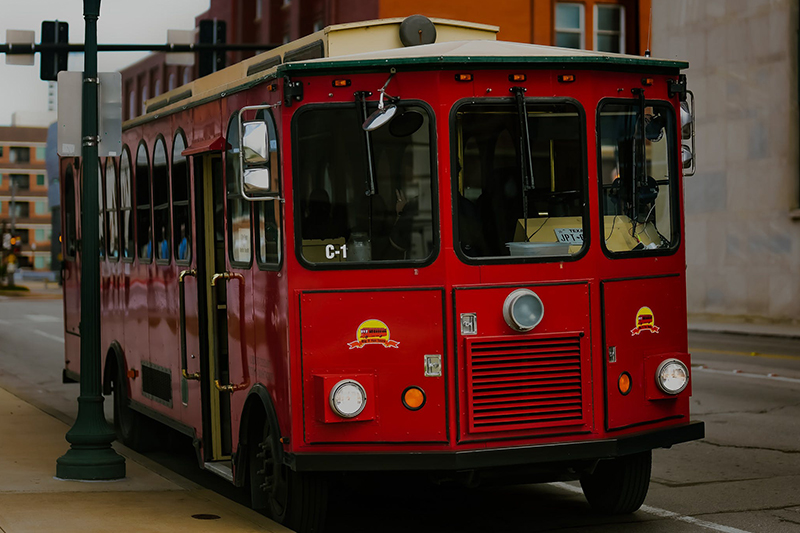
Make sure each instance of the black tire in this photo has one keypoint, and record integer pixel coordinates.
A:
(133, 429)
(618, 486)
(298, 500)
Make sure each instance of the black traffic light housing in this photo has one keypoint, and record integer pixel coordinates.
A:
(211, 32)
(52, 62)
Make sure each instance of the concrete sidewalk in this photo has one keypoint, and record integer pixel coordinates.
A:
(41, 290)
(741, 327)
(149, 499)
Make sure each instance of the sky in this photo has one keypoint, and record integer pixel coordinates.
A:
(121, 21)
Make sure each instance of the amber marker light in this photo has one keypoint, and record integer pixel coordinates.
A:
(413, 398)
(341, 83)
(517, 77)
(463, 77)
(624, 383)
(647, 82)
(272, 87)
(566, 78)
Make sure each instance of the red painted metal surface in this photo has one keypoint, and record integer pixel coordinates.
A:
(298, 326)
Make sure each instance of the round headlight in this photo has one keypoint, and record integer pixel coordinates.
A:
(523, 310)
(348, 398)
(672, 376)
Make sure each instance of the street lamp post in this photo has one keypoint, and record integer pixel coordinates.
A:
(90, 456)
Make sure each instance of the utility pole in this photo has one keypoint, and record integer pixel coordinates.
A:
(90, 456)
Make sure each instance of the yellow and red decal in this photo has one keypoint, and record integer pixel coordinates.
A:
(373, 331)
(644, 321)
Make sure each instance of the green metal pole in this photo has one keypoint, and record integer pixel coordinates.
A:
(90, 456)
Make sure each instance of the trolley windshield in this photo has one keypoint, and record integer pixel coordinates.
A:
(519, 185)
(363, 197)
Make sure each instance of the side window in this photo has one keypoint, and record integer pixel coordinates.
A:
(239, 233)
(144, 238)
(112, 208)
(161, 202)
(126, 206)
(101, 216)
(70, 232)
(181, 222)
(268, 211)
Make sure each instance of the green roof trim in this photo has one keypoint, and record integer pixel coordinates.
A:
(440, 61)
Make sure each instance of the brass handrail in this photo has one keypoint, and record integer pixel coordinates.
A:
(242, 340)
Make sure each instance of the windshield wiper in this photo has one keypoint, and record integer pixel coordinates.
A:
(526, 160)
(640, 170)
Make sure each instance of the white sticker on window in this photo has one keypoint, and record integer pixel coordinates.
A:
(570, 235)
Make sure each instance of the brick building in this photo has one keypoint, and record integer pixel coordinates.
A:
(23, 193)
(607, 25)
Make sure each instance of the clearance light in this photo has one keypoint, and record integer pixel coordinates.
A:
(624, 383)
(566, 78)
(672, 376)
(348, 398)
(517, 77)
(463, 77)
(272, 87)
(523, 310)
(341, 83)
(413, 398)
(647, 82)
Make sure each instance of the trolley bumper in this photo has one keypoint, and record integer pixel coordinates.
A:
(482, 458)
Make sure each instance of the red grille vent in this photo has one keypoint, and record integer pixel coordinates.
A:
(524, 383)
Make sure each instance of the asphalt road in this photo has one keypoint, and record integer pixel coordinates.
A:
(744, 476)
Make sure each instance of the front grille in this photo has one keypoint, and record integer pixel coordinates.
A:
(524, 383)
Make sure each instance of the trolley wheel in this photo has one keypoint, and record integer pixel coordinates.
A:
(298, 500)
(618, 486)
(133, 429)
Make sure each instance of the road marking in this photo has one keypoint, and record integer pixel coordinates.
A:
(663, 513)
(42, 318)
(747, 354)
(750, 375)
(49, 336)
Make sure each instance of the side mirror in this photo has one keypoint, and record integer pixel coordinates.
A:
(256, 179)
(687, 135)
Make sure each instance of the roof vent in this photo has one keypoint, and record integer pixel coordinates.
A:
(416, 30)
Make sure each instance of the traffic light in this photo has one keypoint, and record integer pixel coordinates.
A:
(211, 32)
(52, 62)
(16, 246)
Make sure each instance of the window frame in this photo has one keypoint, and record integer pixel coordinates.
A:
(435, 199)
(596, 31)
(581, 31)
(675, 184)
(101, 213)
(132, 208)
(233, 122)
(143, 145)
(272, 127)
(167, 175)
(114, 211)
(188, 261)
(586, 216)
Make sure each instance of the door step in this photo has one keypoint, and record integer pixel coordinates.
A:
(221, 468)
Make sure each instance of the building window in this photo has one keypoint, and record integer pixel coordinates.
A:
(144, 99)
(41, 208)
(20, 154)
(1, 151)
(570, 25)
(39, 263)
(39, 237)
(40, 180)
(1, 180)
(609, 28)
(39, 153)
(22, 182)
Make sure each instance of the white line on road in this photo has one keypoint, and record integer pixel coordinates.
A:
(663, 513)
(739, 373)
(49, 336)
(43, 318)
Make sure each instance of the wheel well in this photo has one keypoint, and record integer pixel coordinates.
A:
(114, 359)
(257, 409)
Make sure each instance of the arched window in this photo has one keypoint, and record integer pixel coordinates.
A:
(161, 201)
(181, 217)
(126, 206)
(171, 81)
(112, 208)
(144, 235)
(157, 90)
(239, 233)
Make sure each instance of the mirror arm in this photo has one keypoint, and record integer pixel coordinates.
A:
(371, 189)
